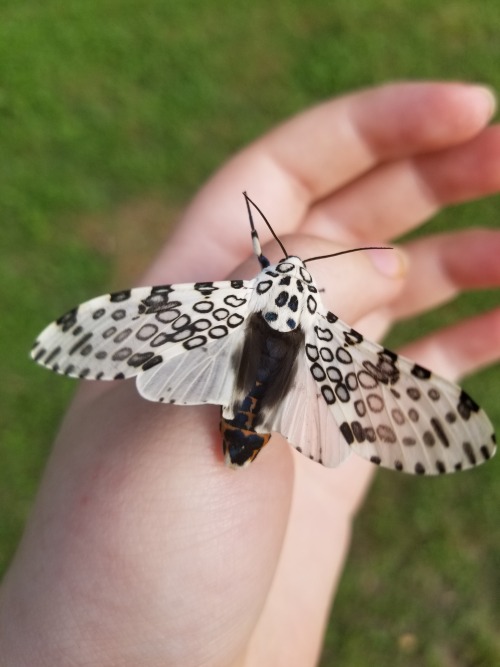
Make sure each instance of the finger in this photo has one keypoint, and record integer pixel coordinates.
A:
(310, 156)
(442, 265)
(461, 348)
(397, 196)
(351, 285)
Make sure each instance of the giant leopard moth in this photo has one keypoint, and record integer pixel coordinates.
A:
(276, 360)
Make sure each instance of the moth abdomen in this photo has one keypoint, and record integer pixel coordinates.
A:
(266, 373)
(269, 356)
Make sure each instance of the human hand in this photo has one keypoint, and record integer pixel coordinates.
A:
(143, 548)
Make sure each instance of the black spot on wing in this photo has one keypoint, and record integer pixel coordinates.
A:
(420, 372)
(389, 354)
(469, 453)
(264, 286)
(385, 370)
(41, 352)
(439, 431)
(413, 393)
(67, 320)
(80, 342)
(485, 452)
(120, 296)
(152, 362)
(353, 337)
(53, 354)
(466, 406)
(386, 433)
(139, 358)
(205, 288)
(122, 354)
(346, 431)
(358, 431)
(428, 439)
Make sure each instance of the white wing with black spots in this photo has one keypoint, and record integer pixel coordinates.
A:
(124, 334)
(390, 410)
(307, 421)
(207, 374)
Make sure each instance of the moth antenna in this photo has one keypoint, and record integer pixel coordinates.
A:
(264, 262)
(345, 252)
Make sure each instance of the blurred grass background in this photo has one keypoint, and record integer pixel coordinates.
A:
(112, 113)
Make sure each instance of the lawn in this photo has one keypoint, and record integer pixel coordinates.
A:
(112, 114)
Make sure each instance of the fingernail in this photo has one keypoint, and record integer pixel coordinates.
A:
(489, 97)
(392, 262)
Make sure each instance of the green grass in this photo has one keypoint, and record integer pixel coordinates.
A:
(107, 104)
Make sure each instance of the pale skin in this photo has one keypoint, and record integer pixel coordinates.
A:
(142, 547)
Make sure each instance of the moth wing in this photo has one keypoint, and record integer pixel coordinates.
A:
(390, 410)
(205, 374)
(307, 422)
(130, 333)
